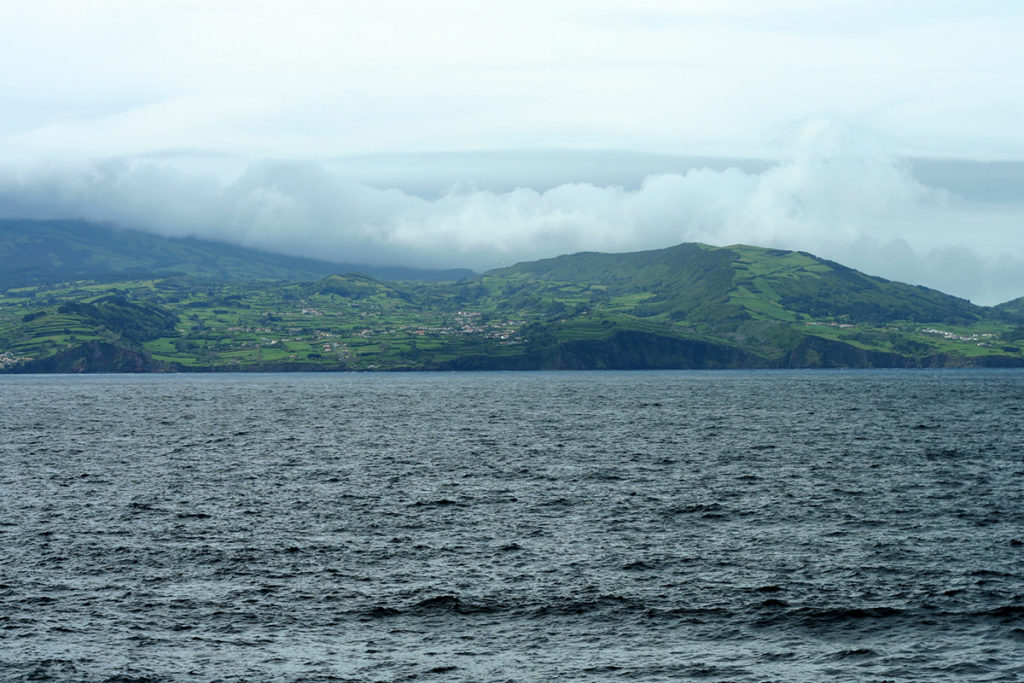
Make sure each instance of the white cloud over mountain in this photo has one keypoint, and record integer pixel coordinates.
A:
(831, 198)
(314, 127)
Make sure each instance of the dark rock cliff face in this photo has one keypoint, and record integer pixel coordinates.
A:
(816, 352)
(95, 357)
(632, 350)
(626, 350)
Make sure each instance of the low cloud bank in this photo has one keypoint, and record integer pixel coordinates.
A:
(866, 211)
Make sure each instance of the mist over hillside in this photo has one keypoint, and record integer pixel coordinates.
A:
(40, 252)
(946, 224)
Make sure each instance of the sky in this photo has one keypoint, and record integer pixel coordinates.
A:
(882, 135)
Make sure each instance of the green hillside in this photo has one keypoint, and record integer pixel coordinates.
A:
(689, 306)
(699, 283)
(41, 252)
(1013, 309)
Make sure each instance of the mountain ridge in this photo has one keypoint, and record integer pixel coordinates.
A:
(686, 306)
(49, 251)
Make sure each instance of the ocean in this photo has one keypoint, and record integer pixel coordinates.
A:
(578, 526)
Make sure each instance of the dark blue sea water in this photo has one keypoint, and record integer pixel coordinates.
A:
(743, 526)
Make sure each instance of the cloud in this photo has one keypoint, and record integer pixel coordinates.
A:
(832, 199)
(109, 78)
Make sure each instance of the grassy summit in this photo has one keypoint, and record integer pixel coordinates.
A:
(697, 282)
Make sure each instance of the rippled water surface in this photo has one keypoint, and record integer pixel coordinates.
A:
(538, 526)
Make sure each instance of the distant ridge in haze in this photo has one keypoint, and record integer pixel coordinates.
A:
(45, 251)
